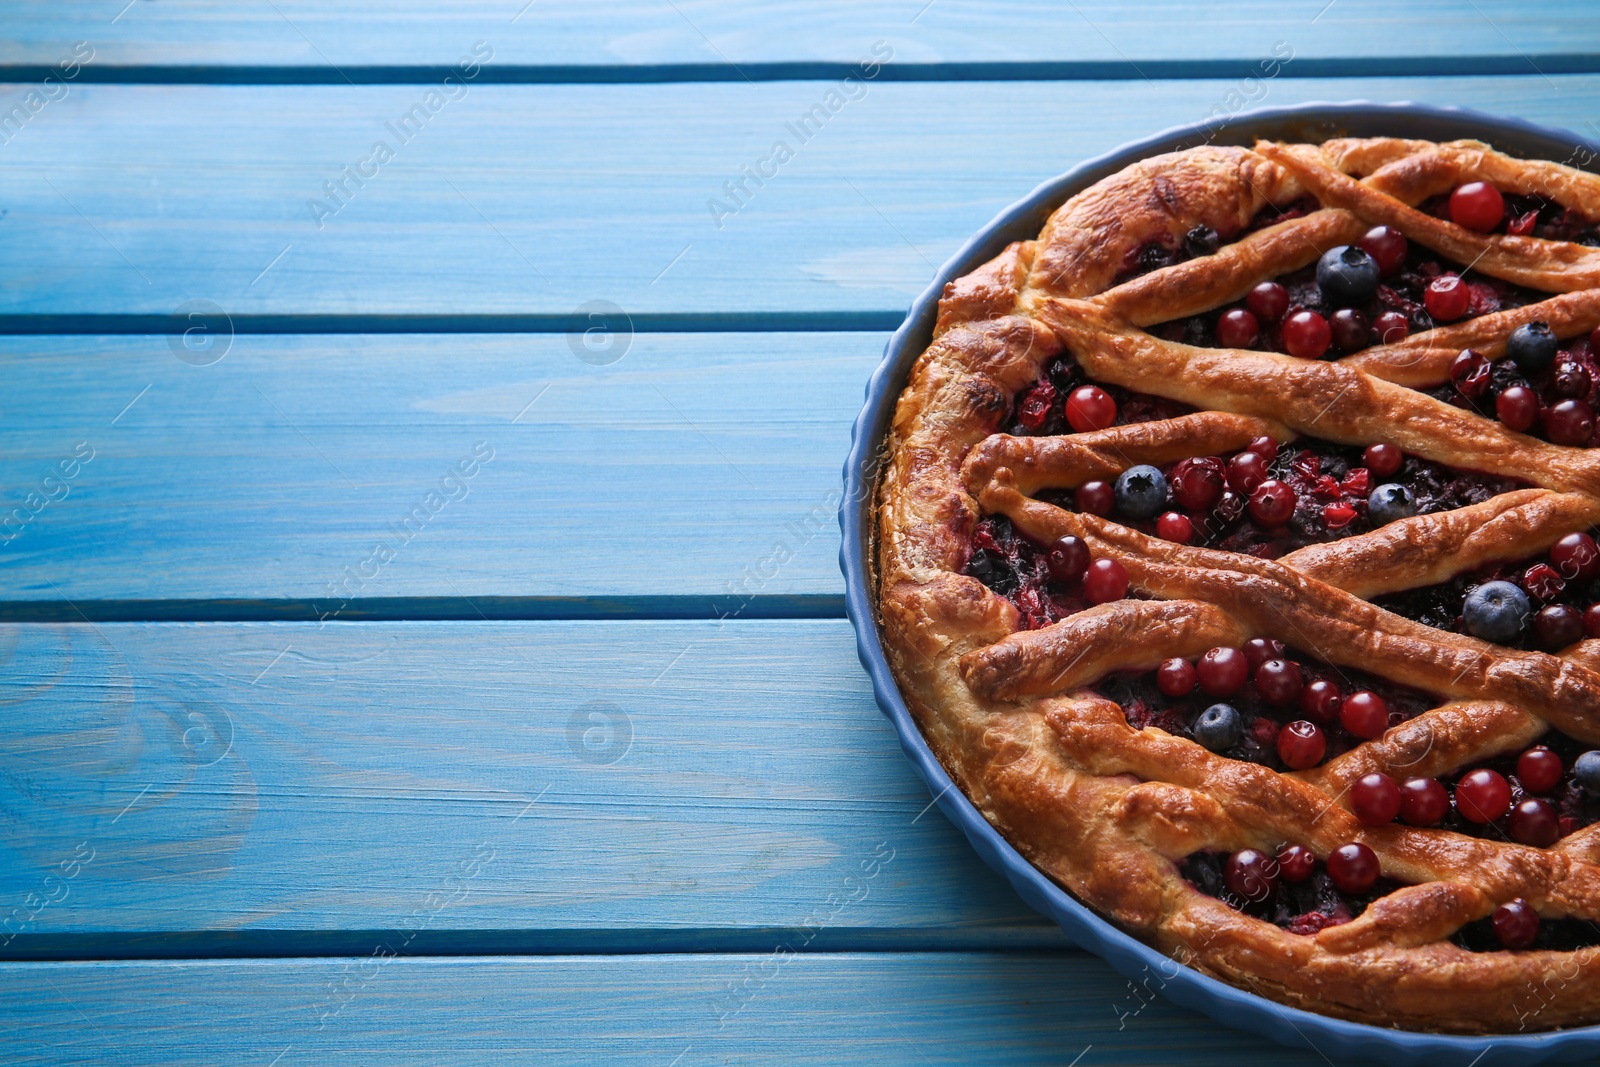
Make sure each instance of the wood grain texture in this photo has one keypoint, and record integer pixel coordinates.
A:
(684, 1011)
(499, 786)
(275, 473)
(539, 199)
(212, 33)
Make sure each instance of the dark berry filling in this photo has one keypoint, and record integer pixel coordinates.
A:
(1013, 567)
(1403, 293)
(1263, 705)
(1320, 492)
(1524, 216)
(1303, 907)
(1304, 895)
(1168, 251)
(1571, 805)
(1045, 408)
(1559, 935)
(1556, 401)
(1547, 602)
(1280, 708)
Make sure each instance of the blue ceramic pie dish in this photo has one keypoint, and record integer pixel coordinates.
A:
(1023, 220)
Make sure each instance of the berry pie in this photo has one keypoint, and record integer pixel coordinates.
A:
(1235, 553)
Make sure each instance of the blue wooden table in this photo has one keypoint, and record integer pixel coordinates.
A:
(422, 424)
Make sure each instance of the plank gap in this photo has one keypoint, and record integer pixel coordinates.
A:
(654, 322)
(802, 70)
(432, 609)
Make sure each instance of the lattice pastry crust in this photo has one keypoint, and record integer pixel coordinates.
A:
(1108, 810)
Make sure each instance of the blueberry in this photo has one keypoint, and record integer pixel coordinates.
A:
(1347, 275)
(1389, 502)
(1202, 241)
(1496, 611)
(1587, 771)
(1533, 346)
(1219, 727)
(1141, 492)
(993, 570)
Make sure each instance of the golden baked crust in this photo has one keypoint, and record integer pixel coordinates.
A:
(1107, 810)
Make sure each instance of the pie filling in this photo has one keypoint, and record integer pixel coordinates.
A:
(1305, 906)
(1147, 699)
(1303, 898)
(1203, 240)
(1403, 292)
(1528, 216)
(1321, 492)
(1547, 603)
(1389, 289)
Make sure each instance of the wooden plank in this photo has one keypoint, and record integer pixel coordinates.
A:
(274, 477)
(564, 33)
(686, 1011)
(284, 788)
(537, 200)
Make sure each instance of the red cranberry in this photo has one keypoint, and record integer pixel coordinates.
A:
(1338, 516)
(1258, 650)
(1106, 581)
(1423, 802)
(1518, 407)
(1572, 379)
(1306, 335)
(1246, 471)
(1386, 245)
(1320, 701)
(1393, 327)
(1096, 498)
(1447, 298)
(1265, 447)
(1382, 459)
(1197, 483)
(1238, 328)
(1176, 677)
(1279, 682)
(1516, 924)
(1576, 556)
(1222, 671)
(1365, 714)
(1296, 863)
(1569, 422)
(1375, 799)
(1539, 769)
(1471, 374)
(1353, 867)
(1251, 874)
(1591, 621)
(1556, 627)
(1230, 507)
(1534, 822)
(1543, 581)
(1268, 301)
(1090, 407)
(1035, 407)
(1301, 745)
(1477, 206)
(1175, 527)
(1068, 559)
(1482, 796)
(1349, 328)
(1272, 503)
(1523, 224)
